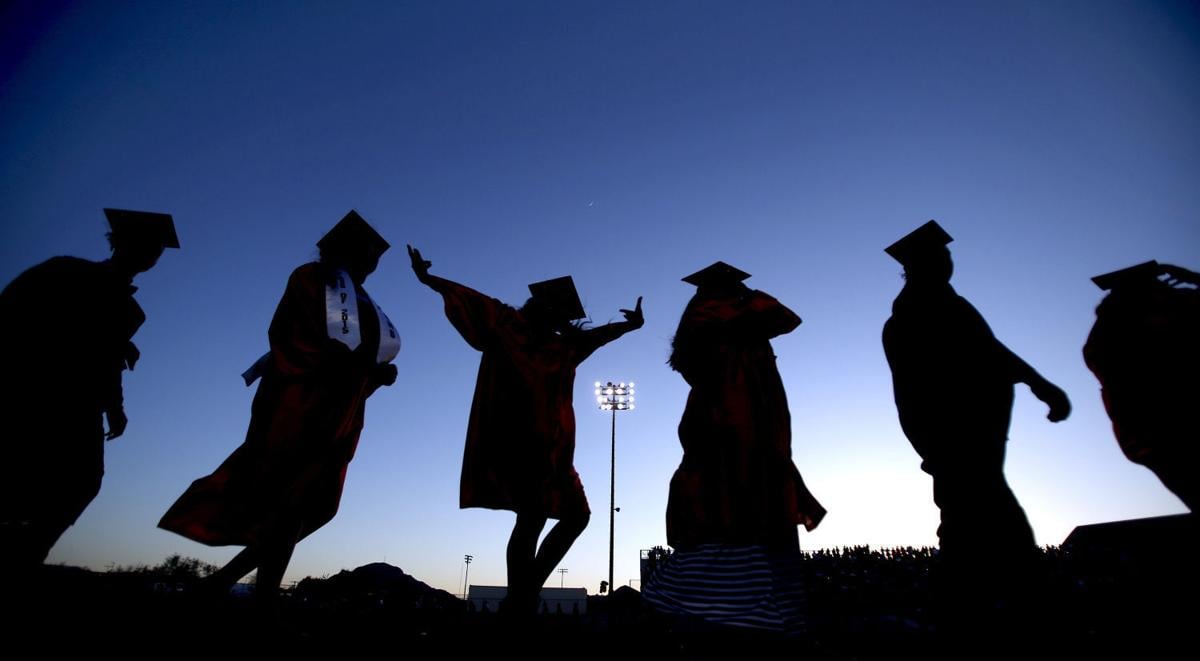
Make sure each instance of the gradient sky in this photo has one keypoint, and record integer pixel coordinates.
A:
(627, 144)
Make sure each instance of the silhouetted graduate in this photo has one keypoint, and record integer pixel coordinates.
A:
(520, 449)
(67, 326)
(736, 499)
(1145, 350)
(737, 483)
(331, 348)
(953, 383)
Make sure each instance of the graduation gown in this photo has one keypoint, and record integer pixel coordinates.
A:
(736, 483)
(950, 375)
(304, 427)
(65, 331)
(953, 385)
(520, 447)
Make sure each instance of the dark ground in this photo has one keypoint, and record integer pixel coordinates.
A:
(863, 604)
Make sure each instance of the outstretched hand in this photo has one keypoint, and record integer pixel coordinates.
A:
(1055, 398)
(116, 423)
(420, 265)
(634, 316)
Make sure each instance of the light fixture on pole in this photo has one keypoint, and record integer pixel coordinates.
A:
(561, 573)
(613, 397)
(467, 574)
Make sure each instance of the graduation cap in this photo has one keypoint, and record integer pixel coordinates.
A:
(353, 231)
(559, 296)
(918, 243)
(146, 225)
(716, 275)
(1142, 273)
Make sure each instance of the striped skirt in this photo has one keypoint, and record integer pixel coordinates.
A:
(739, 586)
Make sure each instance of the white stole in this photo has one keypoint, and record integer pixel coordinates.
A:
(342, 324)
(389, 339)
(341, 311)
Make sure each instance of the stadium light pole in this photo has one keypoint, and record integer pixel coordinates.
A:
(613, 397)
(467, 575)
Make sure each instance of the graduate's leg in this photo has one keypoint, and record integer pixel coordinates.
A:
(279, 541)
(522, 596)
(41, 538)
(558, 541)
(274, 562)
(522, 548)
(243, 563)
(24, 547)
(74, 488)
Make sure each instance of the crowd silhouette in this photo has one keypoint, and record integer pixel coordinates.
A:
(736, 499)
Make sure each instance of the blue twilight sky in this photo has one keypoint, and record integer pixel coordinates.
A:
(628, 144)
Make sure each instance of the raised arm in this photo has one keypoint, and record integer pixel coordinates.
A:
(594, 338)
(750, 313)
(477, 317)
(766, 315)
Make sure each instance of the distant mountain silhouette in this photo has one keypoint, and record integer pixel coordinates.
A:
(378, 584)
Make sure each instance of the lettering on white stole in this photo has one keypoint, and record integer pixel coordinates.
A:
(341, 311)
(342, 324)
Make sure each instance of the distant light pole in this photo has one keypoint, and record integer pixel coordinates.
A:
(561, 572)
(613, 397)
(467, 575)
